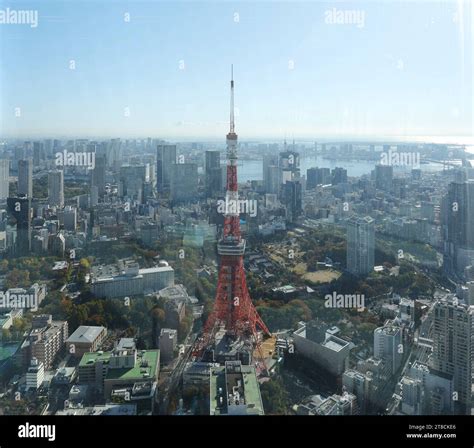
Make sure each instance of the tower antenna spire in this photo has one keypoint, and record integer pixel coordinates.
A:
(232, 121)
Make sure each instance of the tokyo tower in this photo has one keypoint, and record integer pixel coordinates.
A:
(233, 309)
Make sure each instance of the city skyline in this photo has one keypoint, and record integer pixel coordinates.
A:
(126, 70)
(322, 265)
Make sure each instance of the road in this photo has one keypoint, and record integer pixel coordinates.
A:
(172, 383)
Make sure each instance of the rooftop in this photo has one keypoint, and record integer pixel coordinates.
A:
(174, 292)
(335, 344)
(145, 367)
(126, 344)
(93, 357)
(108, 409)
(237, 386)
(112, 273)
(85, 333)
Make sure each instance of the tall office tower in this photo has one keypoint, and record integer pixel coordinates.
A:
(339, 176)
(458, 220)
(360, 245)
(38, 153)
(311, 176)
(317, 176)
(271, 174)
(4, 178)
(25, 177)
(114, 153)
(234, 313)
(70, 218)
(132, 178)
(384, 177)
(436, 391)
(48, 148)
(98, 175)
(212, 160)
(184, 182)
(292, 199)
(19, 154)
(165, 159)
(56, 188)
(289, 162)
(388, 346)
(213, 173)
(453, 347)
(20, 209)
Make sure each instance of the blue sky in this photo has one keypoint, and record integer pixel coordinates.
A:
(406, 72)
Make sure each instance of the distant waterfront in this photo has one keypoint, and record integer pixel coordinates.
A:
(253, 169)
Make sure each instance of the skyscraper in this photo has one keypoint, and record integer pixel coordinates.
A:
(388, 346)
(114, 153)
(70, 218)
(339, 176)
(360, 245)
(289, 162)
(291, 198)
(317, 176)
(184, 182)
(458, 217)
(212, 160)
(271, 174)
(165, 158)
(56, 188)
(25, 177)
(384, 177)
(20, 209)
(20, 153)
(98, 175)
(213, 173)
(452, 347)
(38, 152)
(4, 177)
(132, 179)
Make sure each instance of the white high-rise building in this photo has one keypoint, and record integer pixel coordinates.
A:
(35, 374)
(56, 188)
(360, 245)
(388, 346)
(453, 345)
(4, 177)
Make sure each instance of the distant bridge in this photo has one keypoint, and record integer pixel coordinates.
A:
(444, 162)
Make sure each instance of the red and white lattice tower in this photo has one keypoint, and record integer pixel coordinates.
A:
(233, 308)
